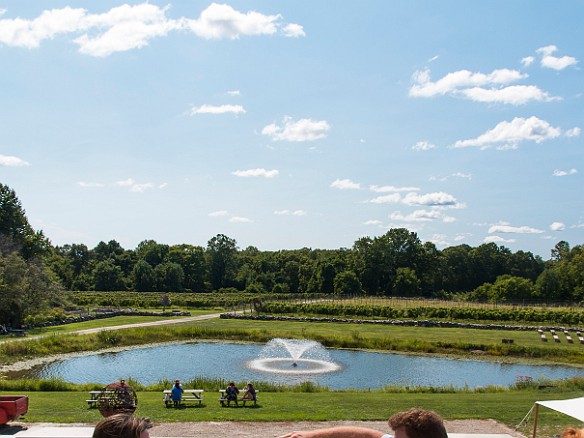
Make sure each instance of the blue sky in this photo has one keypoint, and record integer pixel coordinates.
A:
(290, 124)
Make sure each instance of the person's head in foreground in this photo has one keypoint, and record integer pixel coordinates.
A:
(570, 432)
(122, 426)
(417, 423)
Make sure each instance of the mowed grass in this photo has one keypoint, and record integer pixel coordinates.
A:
(111, 322)
(507, 407)
(433, 335)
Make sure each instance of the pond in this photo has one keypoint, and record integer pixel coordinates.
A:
(352, 369)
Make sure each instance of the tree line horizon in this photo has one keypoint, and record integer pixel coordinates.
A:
(396, 263)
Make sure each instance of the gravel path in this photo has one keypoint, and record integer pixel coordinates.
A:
(275, 429)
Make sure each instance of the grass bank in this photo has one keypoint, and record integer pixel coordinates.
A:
(424, 340)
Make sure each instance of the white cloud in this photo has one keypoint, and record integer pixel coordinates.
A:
(479, 87)
(217, 109)
(129, 27)
(297, 213)
(527, 61)
(218, 213)
(373, 222)
(514, 95)
(386, 199)
(126, 183)
(256, 172)
(558, 172)
(453, 175)
(423, 146)
(220, 21)
(234, 93)
(240, 220)
(439, 239)
(139, 188)
(90, 184)
(134, 186)
(345, 184)
(510, 134)
(392, 189)
(29, 34)
(421, 216)
(573, 132)
(293, 30)
(430, 199)
(11, 161)
(462, 175)
(506, 228)
(302, 130)
(452, 82)
(497, 239)
(548, 60)
(461, 237)
(557, 226)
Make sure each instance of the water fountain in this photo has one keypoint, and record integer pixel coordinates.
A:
(294, 356)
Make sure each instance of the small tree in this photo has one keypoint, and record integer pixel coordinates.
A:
(165, 302)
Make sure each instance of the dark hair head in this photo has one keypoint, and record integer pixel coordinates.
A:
(121, 426)
(419, 423)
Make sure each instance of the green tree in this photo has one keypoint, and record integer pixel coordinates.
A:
(347, 283)
(151, 251)
(16, 234)
(192, 260)
(143, 275)
(406, 283)
(169, 277)
(222, 261)
(25, 288)
(107, 276)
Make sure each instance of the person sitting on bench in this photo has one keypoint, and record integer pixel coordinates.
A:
(176, 393)
(231, 393)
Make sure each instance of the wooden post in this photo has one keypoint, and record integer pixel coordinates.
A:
(535, 420)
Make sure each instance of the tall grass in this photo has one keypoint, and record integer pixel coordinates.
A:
(214, 384)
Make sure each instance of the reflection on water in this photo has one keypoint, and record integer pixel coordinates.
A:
(357, 369)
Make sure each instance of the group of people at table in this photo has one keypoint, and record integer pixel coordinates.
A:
(231, 393)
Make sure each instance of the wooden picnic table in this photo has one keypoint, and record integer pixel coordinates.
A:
(240, 398)
(187, 395)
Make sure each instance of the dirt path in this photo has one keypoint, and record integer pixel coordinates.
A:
(124, 326)
(242, 429)
(275, 429)
(149, 324)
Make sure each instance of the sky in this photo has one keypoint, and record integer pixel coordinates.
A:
(288, 124)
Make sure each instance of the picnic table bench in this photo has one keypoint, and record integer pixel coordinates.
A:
(94, 396)
(187, 395)
(240, 398)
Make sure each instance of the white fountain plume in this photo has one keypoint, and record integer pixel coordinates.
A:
(294, 356)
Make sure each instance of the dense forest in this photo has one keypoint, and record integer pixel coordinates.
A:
(394, 264)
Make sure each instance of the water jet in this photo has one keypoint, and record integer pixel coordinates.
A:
(294, 356)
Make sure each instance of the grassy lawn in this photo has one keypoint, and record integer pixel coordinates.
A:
(110, 322)
(323, 331)
(506, 407)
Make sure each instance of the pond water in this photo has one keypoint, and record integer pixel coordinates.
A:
(354, 369)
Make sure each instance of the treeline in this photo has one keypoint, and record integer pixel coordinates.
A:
(394, 264)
